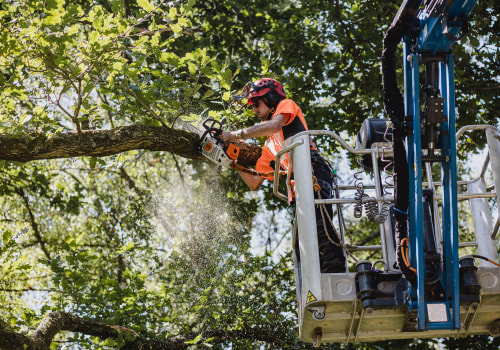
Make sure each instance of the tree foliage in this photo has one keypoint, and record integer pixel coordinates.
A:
(121, 243)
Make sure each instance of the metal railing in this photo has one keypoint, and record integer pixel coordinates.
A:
(378, 190)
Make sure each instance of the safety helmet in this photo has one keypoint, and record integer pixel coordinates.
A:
(267, 87)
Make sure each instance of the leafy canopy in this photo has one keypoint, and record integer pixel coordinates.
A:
(155, 243)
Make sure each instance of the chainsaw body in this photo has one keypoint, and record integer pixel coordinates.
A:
(212, 146)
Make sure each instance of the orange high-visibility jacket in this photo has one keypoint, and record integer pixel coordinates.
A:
(296, 123)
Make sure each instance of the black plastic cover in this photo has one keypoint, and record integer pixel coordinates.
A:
(372, 131)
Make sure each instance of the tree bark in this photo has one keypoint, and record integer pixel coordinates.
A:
(14, 341)
(100, 143)
(53, 324)
(58, 321)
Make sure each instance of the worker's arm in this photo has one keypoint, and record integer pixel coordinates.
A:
(262, 129)
(253, 182)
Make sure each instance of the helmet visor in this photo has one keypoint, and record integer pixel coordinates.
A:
(240, 97)
(243, 93)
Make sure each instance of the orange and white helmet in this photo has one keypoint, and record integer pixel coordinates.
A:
(265, 87)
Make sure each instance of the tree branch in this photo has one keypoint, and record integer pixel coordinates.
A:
(61, 321)
(141, 102)
(53, 324)
(34, 224)
(58, 321)
(100, 143)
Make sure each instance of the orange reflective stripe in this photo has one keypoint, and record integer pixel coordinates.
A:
(274, 144)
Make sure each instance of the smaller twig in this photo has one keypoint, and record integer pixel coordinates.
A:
(78, 106)
(145, 106)
(181, 176)
(33, 222)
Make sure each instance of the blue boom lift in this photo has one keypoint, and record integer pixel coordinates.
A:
(425, 288)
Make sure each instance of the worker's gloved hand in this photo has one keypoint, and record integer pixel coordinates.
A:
(228, 136)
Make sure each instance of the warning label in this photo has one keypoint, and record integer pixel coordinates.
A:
(310, 298)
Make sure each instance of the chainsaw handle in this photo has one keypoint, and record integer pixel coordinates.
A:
(211, 123)
(215, 133)
(214, 128)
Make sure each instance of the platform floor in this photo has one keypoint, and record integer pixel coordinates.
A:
(346, 321)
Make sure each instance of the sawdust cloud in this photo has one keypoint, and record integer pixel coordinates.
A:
(195, 218)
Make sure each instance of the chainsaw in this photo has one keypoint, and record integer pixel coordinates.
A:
(213, 148)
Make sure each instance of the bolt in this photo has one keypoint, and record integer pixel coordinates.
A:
(410, 59)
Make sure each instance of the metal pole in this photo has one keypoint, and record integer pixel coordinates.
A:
(449, 168)
(412, 110)
(493, 139)
(306, 220)
(416, 238)
(379, 195)
(437, 223)
(481, 219)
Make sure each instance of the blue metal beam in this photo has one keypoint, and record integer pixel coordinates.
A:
(439, 32)
(449, 169)
(441, 24)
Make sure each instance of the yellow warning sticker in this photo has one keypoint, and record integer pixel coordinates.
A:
(310, 298)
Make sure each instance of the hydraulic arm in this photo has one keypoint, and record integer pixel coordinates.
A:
(427, 122)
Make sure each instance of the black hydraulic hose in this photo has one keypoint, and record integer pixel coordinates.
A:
(486, 259)
(394, 107)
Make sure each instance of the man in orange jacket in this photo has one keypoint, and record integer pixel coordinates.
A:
(280, 119)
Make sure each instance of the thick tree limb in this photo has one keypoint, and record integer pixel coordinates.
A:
(61, 321)
(13, 341)
(100, 143)
(50, 326)
(57, 322)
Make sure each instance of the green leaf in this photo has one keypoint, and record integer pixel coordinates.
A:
(118, 65)
(73, 29)
(127, 247)
(55, 18)
(208, 94)
(6, 236)
(117, 6)
(195, 340)
(92, 162)
(172, 13)
(38, 110)
(26, 119)
(110, 342)
(146, 5)
(94, 37)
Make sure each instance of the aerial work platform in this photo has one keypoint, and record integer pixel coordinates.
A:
(438, 275)
(345, 320)
(338, 307)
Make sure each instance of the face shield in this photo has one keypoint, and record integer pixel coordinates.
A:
(240, 98)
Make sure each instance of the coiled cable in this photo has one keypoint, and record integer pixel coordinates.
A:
(361, 199)
(359, 195)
